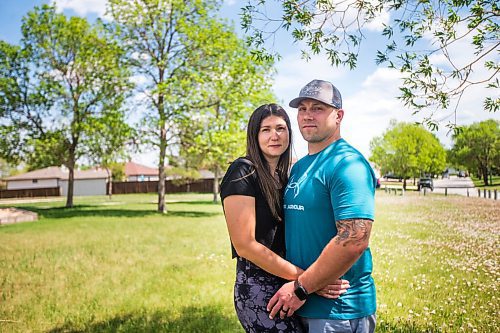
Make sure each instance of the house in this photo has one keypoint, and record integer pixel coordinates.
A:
(87, 182)
(138, 173)
(207, 174)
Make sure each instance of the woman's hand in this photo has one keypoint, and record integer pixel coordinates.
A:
(334, 290)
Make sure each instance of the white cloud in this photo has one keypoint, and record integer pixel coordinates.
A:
(377, 24)
(369, 110)
(139, 79)
(347, 14)
(230, 2)
(294, 72)
(83, 7)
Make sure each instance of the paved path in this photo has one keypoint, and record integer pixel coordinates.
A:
(29, 200)
(455, 185)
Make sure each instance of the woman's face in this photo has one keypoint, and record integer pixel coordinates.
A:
(273, 137)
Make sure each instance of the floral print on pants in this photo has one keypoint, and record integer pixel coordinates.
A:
(253, 289)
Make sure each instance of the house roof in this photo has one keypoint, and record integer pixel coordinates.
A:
(135, 169)
(59, 173)
(206, 174)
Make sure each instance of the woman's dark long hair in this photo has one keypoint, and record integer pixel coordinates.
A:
(268, 183)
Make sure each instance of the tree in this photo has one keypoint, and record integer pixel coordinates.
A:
(226, 97)
(170, 44)
(5, 171)
(109, 149)
(477, 147)
(421, 35)
(118, 171)
(408, 150)
(57, 88)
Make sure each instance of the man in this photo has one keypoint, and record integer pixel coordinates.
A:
(329, 210)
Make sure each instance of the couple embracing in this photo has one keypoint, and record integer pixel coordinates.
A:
(300, 237)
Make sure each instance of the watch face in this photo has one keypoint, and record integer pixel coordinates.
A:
(300, 292)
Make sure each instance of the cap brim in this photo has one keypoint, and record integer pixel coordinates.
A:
(294, 103)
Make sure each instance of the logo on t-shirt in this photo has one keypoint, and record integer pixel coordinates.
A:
(294, 207)
(295, 185)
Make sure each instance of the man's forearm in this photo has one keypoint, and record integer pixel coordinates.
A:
(339, 254)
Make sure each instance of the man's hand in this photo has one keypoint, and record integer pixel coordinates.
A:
(334, 290)
(284, 301)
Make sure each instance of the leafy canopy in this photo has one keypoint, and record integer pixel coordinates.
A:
(62, 87)
(408, 150)
(477, 147)
(440, 47)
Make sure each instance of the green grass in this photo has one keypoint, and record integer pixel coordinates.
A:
(118, 266)
(495, 185)
(397, 184)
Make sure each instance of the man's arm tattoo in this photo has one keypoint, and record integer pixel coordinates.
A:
(353, 231)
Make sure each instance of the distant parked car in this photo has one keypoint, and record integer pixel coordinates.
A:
(425, 182)
(462, 174)
(390, 175)
(378, 182)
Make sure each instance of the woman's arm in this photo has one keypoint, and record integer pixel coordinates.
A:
(240, 219)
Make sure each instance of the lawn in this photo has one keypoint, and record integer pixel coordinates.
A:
(118, 266)
(494, 185)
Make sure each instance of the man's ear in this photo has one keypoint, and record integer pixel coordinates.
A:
(340, 115)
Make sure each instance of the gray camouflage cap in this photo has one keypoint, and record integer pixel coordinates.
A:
(319, 90)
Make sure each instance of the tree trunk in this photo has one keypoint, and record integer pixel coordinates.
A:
(484, 172)
(162, 208)
(110, 184)
(404, 183)
(161, 182)
(71, 183)
(216, 185)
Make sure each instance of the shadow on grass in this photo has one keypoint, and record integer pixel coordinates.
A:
(183, 213)
(197, 319)
(87, 211)
(193, 319)
(205, 202)
(98, 211)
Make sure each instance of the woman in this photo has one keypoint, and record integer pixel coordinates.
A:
(251, 193)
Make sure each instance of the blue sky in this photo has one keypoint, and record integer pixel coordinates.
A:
(369, 92)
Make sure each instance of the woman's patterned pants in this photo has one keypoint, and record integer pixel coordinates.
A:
(253, 289)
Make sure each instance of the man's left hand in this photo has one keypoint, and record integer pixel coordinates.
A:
(284, 301)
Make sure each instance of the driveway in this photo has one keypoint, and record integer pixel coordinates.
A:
(455, 185)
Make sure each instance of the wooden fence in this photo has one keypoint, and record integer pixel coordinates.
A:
(30, 193)
(201, 186)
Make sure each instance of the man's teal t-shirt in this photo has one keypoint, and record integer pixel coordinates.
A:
(334, 184)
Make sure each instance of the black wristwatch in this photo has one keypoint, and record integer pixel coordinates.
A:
(300, 291)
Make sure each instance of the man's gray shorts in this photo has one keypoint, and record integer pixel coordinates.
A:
(359, 325)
